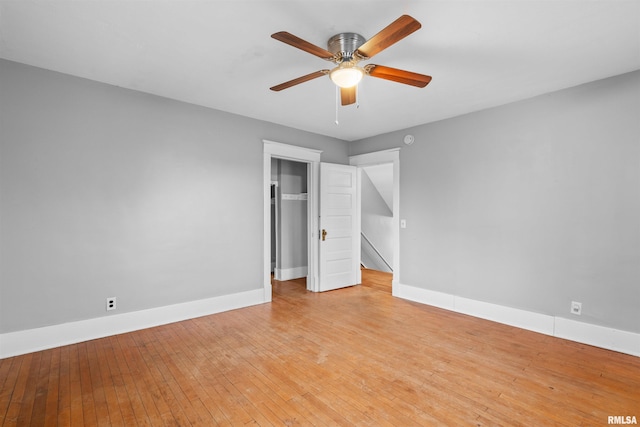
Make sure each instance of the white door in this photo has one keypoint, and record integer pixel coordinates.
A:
(339, 229)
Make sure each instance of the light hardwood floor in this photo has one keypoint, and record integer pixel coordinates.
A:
(355, 356)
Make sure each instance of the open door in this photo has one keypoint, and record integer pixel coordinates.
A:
(339, 251)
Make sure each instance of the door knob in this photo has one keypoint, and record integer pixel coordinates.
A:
(324, 234)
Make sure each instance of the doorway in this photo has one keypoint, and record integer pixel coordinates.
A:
(275, 150)
(385, 160)
(312, 158)
(289, 227)
(376, 212)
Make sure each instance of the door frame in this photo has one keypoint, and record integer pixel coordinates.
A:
(311, 157)
(274, 224)
(376, 158)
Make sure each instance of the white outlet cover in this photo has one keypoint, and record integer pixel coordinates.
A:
(576, 308)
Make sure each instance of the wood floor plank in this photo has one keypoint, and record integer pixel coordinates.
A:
(89, 415)
(18, 396)
(104, 353)
(97, 385)
(283, 409)
(152, 381)
(53, 391)
(170, 391)
(31, 397)
(11, 368)
(76, 397)
(63, 414)
(186, 373)
(355, 356)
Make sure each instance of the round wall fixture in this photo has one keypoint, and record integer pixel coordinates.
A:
(408, 139)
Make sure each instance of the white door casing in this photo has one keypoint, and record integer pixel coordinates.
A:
(339, 237)
(310, 156)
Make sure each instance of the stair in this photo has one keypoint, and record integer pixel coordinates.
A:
(371, 258)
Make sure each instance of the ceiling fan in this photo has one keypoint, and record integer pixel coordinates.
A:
(346, 50)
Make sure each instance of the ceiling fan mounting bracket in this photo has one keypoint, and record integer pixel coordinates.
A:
(345, 45)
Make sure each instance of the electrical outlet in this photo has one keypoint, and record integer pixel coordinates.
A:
(576, 308)
(111, 303)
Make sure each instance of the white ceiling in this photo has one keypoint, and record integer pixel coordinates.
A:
(219, 54)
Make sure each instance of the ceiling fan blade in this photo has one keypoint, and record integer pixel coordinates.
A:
(295, 41)
(396, 75)
(393, 33)
(348, 95)
(299, 80)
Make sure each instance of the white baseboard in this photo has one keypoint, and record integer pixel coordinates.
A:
(599, 336)
(586, 333)
(290, 273)
(22, 342)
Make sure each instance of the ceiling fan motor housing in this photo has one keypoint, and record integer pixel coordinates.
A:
(345, 44)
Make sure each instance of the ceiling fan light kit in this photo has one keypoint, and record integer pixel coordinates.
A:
(346, 50)
(346, 75)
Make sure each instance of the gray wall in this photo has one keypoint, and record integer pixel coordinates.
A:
(528, 205)
(110, 192)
